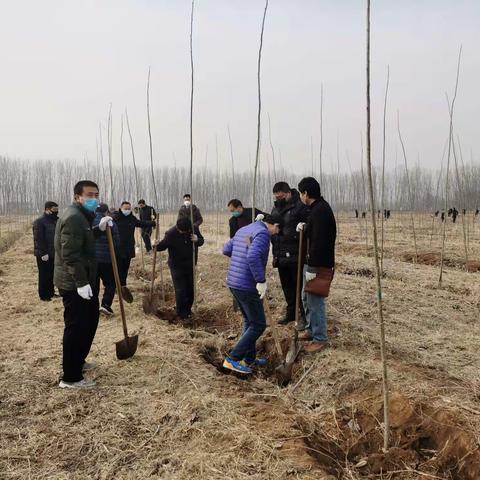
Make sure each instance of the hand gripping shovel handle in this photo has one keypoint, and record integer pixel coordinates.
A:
(111, 248)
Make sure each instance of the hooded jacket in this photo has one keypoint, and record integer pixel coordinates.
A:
(248, 251)
(285, 244)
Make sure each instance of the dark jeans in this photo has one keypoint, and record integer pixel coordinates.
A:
(254, 325)
(45, 278)
(288, 279)
(81, 321)
(123, 267)
(146, 232)
(105, 273)
(183, 284)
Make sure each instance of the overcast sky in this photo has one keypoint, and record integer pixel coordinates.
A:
(63, 62)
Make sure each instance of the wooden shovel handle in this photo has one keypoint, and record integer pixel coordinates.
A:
(111, 248)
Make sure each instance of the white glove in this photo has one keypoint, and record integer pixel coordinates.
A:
(310, 276)
(300, 227)
(194, 238)
(262, 289)
(44, 258)
(259, 217)
(104, 222)
(85, 292)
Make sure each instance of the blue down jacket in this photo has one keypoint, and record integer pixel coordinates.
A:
(102, 253)
(248, 251)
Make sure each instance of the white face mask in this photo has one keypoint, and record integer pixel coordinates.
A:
(126, 212)
(187, 203)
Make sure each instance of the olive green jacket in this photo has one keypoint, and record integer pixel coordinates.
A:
(75, 263)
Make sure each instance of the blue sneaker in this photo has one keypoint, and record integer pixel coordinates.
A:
(235, 366)
(258, 362)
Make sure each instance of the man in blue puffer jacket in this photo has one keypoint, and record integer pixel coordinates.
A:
(104, 262)
(248, 251)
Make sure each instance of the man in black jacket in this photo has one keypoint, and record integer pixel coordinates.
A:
(44, 249)
(127, 223)
(285, 245)
(147, 214)
(178, 240)
(241, 216)
(184, 211)
(321, 233)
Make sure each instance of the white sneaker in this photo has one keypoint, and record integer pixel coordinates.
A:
(87, 366)
(77, 385)
(106, 310)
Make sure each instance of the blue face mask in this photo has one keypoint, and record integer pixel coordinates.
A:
(236, 214)
(91, 204)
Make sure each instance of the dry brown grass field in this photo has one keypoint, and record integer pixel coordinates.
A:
(171, 413)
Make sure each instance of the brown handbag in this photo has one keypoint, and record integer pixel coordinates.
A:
(320, 285)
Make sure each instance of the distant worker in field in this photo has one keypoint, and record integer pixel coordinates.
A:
(389, 213)
(185, 211)
(147, 214)
(104, 262)
(442, 217)
(356, 213)
(285, 246)
(454, 214)
(240, 216)
(248, 251)
(44, 249)
(436, 213)
(75, 277)
(477, 211)
(179, 241)
(321, 232)
(364, 214)
(127, 223)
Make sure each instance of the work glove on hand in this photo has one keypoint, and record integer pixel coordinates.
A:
(85, 292)
(262, 289)
(44, 258)
(310, 276)
(259, 217)
(104, 222)
(194, 238)
(300, 227)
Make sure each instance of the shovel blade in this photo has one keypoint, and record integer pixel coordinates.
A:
(126, 347)
(150, 305)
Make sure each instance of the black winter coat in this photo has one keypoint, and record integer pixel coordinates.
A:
(147, 213)
(236, 223)
(285, 245)
(185, 212)
(126, 225)
(44, 235)
(180, 251)
(321, 233)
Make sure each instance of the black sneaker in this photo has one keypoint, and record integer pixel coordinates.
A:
(46, 299)
(106, 310)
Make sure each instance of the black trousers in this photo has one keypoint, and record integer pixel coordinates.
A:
(123, 267)
(105, 273)
(288, 279)
(45, 278)
(183, 285)
(81, 321)
(146, 232)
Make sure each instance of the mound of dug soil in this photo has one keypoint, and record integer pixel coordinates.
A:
(424, 440)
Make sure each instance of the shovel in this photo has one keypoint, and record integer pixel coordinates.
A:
(126, 347)
(284, 370)
(151, 301)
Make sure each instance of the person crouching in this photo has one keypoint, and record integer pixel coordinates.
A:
(248, 251)
(178, 240)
